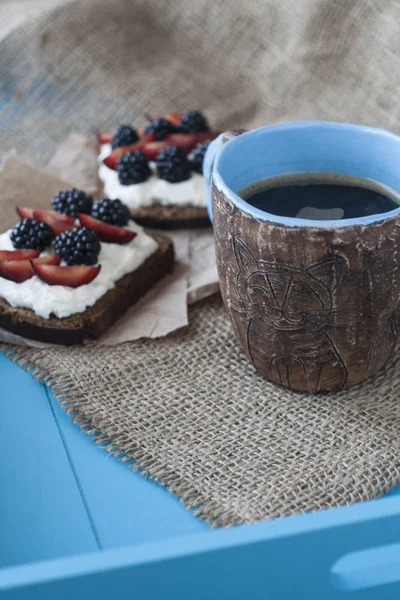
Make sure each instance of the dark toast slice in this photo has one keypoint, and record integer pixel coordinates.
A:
(171, 217)
(96, 319)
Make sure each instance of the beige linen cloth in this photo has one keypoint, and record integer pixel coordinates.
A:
(188, 409)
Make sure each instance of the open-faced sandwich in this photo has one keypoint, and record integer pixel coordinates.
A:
(157, 171)
(67, 274)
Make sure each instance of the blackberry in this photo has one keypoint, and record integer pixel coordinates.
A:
(32, 234)
(197, 156)
(111, 211)
(173, 165)
(124, 135)
(160, 128)
(72, 202)
(192, 121)
(80, 246)
(132, 168)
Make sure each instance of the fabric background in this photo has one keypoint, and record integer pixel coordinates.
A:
(95, 63)
(188, 409)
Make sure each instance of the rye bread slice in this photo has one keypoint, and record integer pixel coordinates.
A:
(95, 320)
(171, 217)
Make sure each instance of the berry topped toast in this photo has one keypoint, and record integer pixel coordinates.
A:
(157, 171)
(67, 274)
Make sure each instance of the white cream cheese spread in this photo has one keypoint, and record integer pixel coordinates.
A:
(45, 300)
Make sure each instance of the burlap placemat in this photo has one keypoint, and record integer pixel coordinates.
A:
(194, 415)
(189, 409)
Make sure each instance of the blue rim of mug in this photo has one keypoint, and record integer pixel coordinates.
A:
(261, 215)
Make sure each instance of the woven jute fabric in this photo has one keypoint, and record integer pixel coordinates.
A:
(188, 410)
(193, 414)
(96, 63)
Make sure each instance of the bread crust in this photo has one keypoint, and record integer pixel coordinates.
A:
(171, 217)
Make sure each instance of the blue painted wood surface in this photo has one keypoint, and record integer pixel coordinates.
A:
(55, 473)
(109, 532)
(125, 507)
(42, 514)
(283, 559)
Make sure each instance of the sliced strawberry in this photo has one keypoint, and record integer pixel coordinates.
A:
(107, 233)
(24, 212)
(104, 138)
(69, 276)
(174, 118)
(152, 150)
(16, 270)
(186, 141)
(15, 255)
(57, 221)
(112, 159)
(190, 140)
(40, 214)
(145, 138)
(47, 260)
(21, 270)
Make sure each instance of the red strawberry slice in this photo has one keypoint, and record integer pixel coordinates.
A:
(107, 233)
(21, 270)
(146, 137)
(186, 141)
(16, 270)
(57, 221)
(174, 118)
(54, 259)
(190, 140)
(112, 159)
(15, 255)
(149, 137)
(40, 214)
(104, 138)
(25, 212)
(69, 276)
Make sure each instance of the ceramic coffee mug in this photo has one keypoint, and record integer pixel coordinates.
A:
(314, 304)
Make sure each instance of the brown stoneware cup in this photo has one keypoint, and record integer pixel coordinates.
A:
(314, 304)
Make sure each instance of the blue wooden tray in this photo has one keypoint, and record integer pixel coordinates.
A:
(77, 523)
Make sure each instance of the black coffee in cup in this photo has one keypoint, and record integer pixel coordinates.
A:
(320, 196)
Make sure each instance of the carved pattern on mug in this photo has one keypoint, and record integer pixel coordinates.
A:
(384, 340)
(286, 311)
